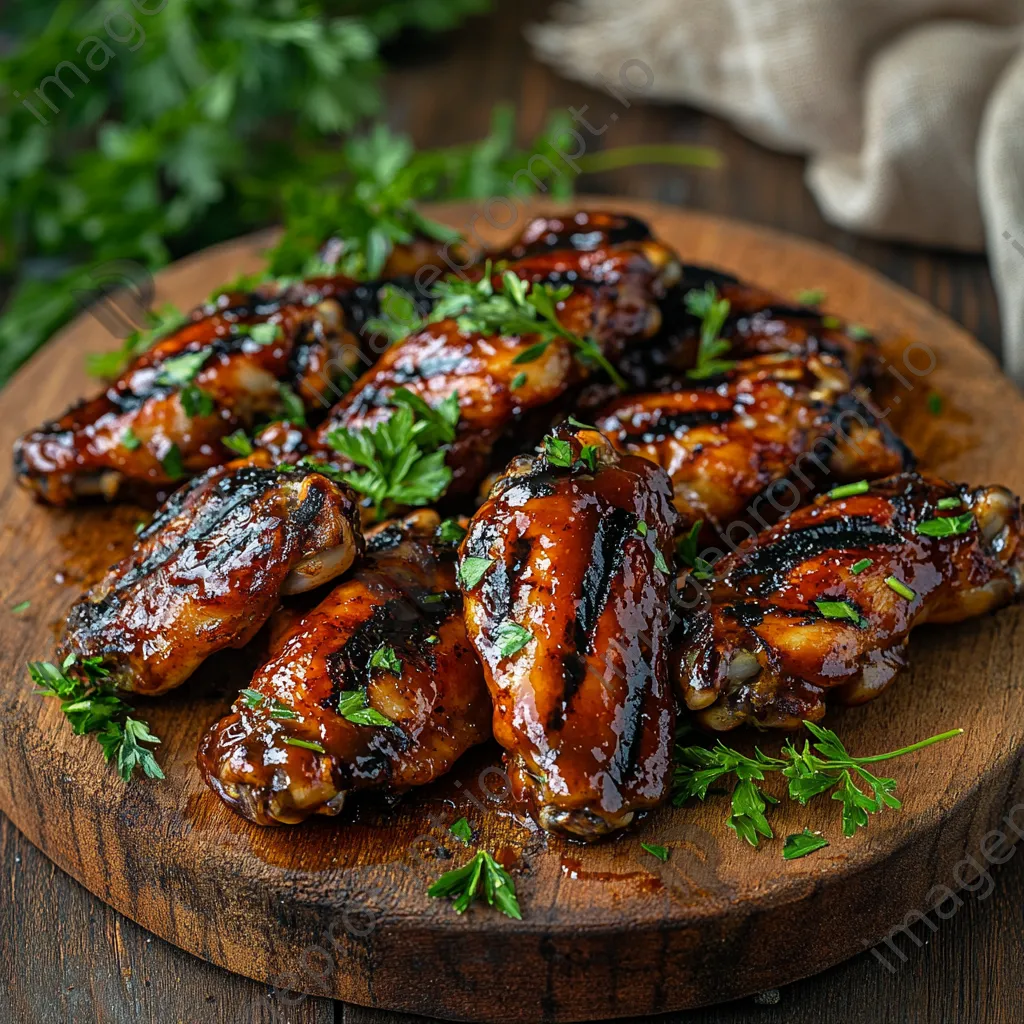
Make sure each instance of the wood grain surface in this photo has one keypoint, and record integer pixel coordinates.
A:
(339, 908)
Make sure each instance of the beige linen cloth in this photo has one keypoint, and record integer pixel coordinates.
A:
(911, 112)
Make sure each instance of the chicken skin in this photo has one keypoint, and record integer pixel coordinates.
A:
(210, 570)
(377, 687)
(566, 582)
(821, 606)
(767, 420)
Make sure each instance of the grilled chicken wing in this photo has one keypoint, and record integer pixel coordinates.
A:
(766, 421)
(292, 752)
(210, 569)
(613, 301)
(759, 323)
(821, 606)
(569, 618)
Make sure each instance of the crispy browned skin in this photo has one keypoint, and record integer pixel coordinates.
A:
(584, 709)
(614, 302)
(403, 596)
(769, 419)
(210, 570)
(759, 323)
(763, 652)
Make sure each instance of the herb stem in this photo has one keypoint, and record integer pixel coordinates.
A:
(631, 156)
(920, 745)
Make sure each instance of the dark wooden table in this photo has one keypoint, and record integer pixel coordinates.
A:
(66, 957)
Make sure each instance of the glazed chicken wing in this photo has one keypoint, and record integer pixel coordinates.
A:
(768, 420)
(566, 580)
(500, 377)
(210, 570)
(820, 607)
(376, 687)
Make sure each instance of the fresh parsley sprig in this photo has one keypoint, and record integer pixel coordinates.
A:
(481, 878)
(91, 704)
(402, 460)
(514, 307)
(821, 766)
(712, 311)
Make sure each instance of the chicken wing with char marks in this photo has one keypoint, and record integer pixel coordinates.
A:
(727, 442)
(390, 638)
(612, 306)
(820, 607)
(759, 323)
(566, 581)
(231, 364)
(210, 570)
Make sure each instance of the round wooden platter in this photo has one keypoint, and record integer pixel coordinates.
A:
(339, 907)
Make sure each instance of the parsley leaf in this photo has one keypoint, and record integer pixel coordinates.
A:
(558, 452)
(264, 333)
(472, 569)
(802, 843)
(811, 297)
(398, 314)
(292, 406)
(195, 401)
(238, 443)
(464, 884)
(947, 526)
(511, 638)
(294, 741)
(172, 463)
(352, 706)
(462, 830)
(384, 657)
(130, 440)
(91, 704)
(661, 852)
(450, 532)
(712, 312)
(402, 460)
(840, 610)
(21, 606)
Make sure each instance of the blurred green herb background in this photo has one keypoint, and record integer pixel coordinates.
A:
(187, 122)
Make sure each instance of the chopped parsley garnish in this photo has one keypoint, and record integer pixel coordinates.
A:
(641, 528)
(900, 587)
(398, 318)
(252, 698)
(802, 843)
(934, 403)
(828, 767)
(292, 405)
(294, 741)
(450, 532)
(21, 606)
(947, 526)
(195, 401)
(238, 443)
(462, 830)
(514, 308)
(465, 885)
(558, 452)
(432, 639)
(401, 461)
(588, 456)
(948, 503)
(130, 440)
(712, 312)
(472, 570)
(511, 638)
(384, 657)
(859, 332)
(353, 706)
(92, 705)
(280, 712)
(811, 297)
(518, 381)
(265, 333)
(172, 463)
(686, 550)
(661, 852)
(840, 610)
(850, 490)
(179, 370)
(831, 323)
(858, 567)
(659, 562)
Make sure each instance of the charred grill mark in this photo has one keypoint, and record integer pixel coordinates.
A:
(676, 423)
(624, 761)
(402, 623)
(851, 405)
(770, 563)
(606, 556)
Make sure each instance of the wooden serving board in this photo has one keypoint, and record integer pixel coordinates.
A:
(338, 907)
